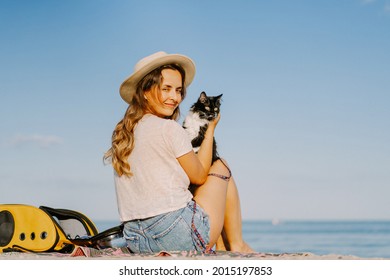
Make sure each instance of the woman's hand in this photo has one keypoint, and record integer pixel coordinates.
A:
(209, 135)
(214, 122)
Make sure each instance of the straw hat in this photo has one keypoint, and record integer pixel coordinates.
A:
(151, 62)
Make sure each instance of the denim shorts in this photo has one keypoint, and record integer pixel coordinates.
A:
(172, 231)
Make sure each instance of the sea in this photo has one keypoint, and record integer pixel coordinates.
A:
(364, 239)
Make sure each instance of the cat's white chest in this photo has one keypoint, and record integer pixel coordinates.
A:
(193, 123)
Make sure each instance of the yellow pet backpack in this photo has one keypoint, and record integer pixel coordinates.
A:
(31, 229)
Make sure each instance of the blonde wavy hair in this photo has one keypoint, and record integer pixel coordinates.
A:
(122, 140)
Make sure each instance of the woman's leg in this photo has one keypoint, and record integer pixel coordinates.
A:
(220, 245)
(232, 227)
(220, 200)
(211, 196)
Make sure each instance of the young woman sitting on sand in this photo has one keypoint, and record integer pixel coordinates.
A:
(154, 165)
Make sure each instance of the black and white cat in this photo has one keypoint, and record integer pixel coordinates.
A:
(196, 122)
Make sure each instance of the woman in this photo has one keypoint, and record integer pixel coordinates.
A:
(154, 164)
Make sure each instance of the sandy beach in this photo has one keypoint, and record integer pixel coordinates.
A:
(123, 253)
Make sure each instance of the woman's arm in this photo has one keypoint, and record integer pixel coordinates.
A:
(197, 166)
(193, 168)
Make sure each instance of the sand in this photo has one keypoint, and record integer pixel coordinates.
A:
(123, 253)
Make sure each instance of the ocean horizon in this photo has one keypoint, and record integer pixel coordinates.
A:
(360, 238)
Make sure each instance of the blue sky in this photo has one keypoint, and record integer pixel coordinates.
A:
(305, 114)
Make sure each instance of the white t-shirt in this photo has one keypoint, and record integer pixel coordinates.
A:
(159, 184)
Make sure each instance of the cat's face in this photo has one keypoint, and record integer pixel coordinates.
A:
(208, 106)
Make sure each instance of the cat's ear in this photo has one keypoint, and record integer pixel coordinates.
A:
(218, 100)
(203, 97)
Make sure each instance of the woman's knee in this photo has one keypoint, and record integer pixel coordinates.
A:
(221, 167)
(220, 163)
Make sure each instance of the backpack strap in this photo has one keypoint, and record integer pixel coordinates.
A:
(74, 224)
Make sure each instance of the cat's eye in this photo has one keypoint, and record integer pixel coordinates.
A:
(215, 109)
(207, 108)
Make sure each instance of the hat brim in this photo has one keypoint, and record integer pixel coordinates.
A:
(129, 86)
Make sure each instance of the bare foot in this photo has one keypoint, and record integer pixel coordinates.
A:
(242, 248)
